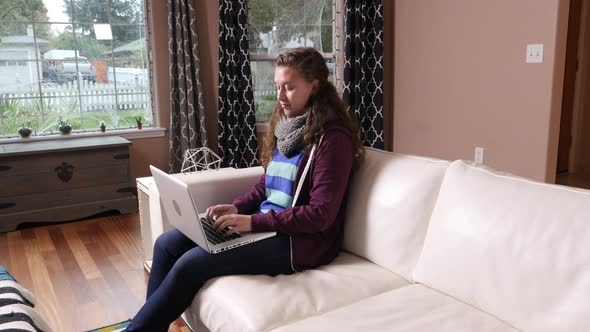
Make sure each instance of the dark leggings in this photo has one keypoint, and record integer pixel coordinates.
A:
(180, 268)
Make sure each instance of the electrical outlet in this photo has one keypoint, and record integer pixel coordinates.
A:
(478, 158)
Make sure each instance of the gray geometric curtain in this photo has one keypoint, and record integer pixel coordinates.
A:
(236, 122)
(187, 114)
(363, 66)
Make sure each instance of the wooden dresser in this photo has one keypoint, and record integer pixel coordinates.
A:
(49, 181)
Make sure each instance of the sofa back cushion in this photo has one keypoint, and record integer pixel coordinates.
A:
(390, 202)
(517, 249)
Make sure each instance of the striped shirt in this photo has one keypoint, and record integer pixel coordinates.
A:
(280, 181)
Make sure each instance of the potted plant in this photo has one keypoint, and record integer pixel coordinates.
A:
(138, 120)
(103, 126)
(25, 130)
(64, 126)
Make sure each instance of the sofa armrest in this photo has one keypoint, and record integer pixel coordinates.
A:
(207, 188)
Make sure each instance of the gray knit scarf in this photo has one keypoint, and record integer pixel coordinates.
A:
(289, 134)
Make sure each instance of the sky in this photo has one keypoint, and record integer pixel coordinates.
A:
(56, 13)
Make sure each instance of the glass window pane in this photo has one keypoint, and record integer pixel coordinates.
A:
(89, 11)
(16, 112)
(14, 11)
(20, 78)
(265, 93)
(52, 68)
(127, 12)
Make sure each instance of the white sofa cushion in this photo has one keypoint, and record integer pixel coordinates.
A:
(517, 249)
(414, 308)
(390, 203)
(261, 303)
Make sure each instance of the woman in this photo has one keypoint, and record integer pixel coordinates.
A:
(310, 128)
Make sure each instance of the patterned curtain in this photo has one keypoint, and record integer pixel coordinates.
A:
(187, 114)
(238, 143)
(363, 66)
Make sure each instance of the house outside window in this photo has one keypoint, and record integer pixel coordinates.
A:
(84, 61)
(277, 25)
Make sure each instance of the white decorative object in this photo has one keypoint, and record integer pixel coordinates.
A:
(200, 159)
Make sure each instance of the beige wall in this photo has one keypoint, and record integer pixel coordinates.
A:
(461, 81)
(155, 150)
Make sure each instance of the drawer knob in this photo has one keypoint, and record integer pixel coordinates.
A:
(65, 171)
(121, 156)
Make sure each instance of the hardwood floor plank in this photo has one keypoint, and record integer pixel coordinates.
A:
(65, 300)
(98, 236)
(18, 264)
(28, 234)
(85, 261)
(122, 239)
(70, 266)
(42, 287)
(115, 281)
(42, 239)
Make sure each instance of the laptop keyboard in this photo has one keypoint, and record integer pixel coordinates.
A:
(216, 236)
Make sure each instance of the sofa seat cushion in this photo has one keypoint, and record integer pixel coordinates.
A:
(414, 308)
(261, 303)
(512, 247)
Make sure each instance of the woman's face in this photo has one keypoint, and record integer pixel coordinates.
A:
(293, 90)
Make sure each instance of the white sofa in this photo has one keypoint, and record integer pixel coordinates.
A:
(429, 245)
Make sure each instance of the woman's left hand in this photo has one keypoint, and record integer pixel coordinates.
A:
(235, 222)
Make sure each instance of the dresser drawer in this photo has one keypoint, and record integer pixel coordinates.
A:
(51, 162)
(47, 200)
(64, 178)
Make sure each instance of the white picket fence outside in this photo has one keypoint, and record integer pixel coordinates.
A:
(89, 97)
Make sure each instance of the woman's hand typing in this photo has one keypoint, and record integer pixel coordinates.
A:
(235, 222)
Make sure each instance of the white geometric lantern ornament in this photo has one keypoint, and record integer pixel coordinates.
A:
(200, 159)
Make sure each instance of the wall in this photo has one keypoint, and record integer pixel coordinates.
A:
(155, 150)
(461, 81)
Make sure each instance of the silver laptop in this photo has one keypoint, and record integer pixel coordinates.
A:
(182, 212)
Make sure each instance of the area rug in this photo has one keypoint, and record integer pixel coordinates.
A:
(113, 328)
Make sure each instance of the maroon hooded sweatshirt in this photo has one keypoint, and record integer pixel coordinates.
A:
(316, 223)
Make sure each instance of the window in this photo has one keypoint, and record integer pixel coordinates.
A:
(276, 25)
(82, 60)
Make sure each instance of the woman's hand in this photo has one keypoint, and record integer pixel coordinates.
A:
(235, 222)
(215, 211)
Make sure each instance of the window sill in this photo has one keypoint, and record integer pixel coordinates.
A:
(130, 134)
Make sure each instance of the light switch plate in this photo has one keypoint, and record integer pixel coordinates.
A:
(534, 53)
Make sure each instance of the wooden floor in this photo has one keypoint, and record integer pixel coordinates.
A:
(84, 274)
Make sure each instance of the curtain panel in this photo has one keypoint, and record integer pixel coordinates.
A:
(363, 67)
(237, 139)
(187, 114)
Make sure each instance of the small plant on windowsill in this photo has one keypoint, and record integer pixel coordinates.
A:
(103, 127)
(25, 130)
(139, 121)
(64, 127)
